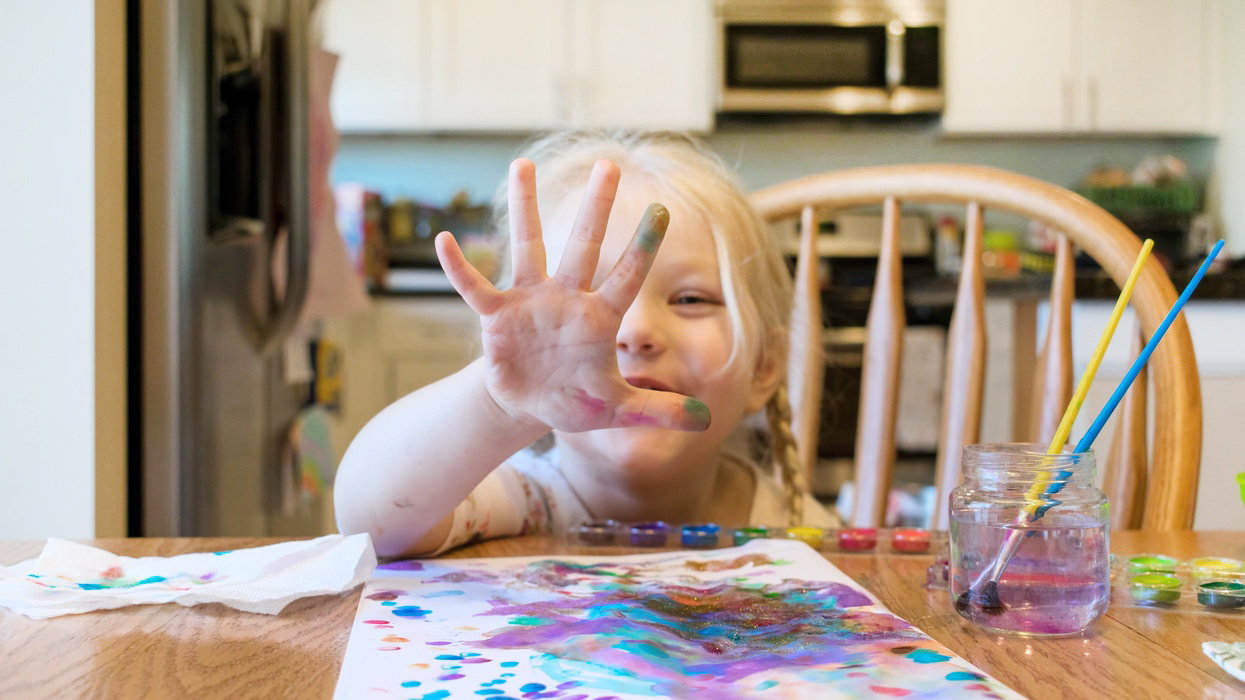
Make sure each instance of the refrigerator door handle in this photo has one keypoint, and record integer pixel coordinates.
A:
(289, 305)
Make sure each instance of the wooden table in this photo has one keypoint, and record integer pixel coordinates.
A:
(156, 651)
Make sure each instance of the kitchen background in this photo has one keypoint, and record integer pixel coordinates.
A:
(1053, 90)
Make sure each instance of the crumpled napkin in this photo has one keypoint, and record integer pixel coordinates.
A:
(69, 578)
(1231, 657)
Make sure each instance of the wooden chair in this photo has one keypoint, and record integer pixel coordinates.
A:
(1163, 499)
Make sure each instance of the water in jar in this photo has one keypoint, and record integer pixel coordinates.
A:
(1056, 583)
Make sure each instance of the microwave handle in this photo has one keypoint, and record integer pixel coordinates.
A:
(895, 31)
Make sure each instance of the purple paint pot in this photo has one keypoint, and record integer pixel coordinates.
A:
(649, 534)
(596, 532)
(701, 535)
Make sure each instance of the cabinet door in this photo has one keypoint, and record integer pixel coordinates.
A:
(643, 64)
(1009, 66)
(383, 58)
(1145, 65)
(496, 65)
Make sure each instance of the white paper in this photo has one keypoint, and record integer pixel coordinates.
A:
(769, 619)
(69, 578)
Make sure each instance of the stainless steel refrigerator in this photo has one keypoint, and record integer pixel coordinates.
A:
(219, 118)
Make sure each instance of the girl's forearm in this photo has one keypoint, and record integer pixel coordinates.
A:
(408, 468)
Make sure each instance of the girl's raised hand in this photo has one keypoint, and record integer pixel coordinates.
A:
(550, 343)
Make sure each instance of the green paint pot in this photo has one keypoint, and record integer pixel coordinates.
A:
(1221, 594)
(1155, 588)
(1148, 563)
(747, 534)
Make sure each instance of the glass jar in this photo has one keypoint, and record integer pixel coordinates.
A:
(1042, 575)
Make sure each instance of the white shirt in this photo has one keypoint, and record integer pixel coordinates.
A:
(528, 494)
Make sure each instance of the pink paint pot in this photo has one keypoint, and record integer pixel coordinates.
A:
(910, 540)
(858, 538)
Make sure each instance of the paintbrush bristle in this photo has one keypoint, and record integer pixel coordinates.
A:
(986, 600)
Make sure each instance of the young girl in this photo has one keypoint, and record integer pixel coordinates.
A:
(641, 365)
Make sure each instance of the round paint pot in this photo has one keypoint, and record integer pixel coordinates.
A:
(1213, 567)
(649, 534)
(912, 540)
(811, 536)
(1221, 594)
(1155, 588)
(747, 534)
(1151, 563)
(596, 532)
(858, 538)
(701, 535)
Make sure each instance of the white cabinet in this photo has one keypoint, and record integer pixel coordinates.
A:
(382, 52)
(1116, 66)
(396, 347)
(522, 65)
(1218, 331)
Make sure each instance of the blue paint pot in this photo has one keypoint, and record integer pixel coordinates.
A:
(701, 536)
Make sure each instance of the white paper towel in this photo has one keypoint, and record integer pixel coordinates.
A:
(69, 577)
(1231, 657)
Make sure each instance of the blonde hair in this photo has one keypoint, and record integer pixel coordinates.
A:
(756, 282)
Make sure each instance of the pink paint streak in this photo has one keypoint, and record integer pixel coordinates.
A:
(636, 418)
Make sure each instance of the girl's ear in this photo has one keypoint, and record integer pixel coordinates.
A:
(765, 380)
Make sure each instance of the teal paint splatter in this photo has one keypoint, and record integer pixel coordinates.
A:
(925, 656)
(767, 685)
(527, 621)
(409, 684)
(964, 676)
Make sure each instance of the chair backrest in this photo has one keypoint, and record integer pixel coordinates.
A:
(1163, 500)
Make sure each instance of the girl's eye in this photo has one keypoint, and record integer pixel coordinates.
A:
(693, 298)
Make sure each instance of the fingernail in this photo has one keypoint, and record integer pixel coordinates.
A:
(653, 227)
(697, 413)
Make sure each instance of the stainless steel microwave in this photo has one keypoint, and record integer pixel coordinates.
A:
(831, 56)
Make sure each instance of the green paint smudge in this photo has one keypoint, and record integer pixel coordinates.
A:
(697, 410)
(653, 227)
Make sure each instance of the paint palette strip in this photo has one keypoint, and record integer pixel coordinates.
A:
(771, 619)
(605, 533)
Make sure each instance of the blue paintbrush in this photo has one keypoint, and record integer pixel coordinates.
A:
(1096, 427)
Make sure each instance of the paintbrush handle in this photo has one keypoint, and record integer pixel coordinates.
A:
(993, 573)
(1096, 427)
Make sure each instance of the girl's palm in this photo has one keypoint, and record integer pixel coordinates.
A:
(550, 343)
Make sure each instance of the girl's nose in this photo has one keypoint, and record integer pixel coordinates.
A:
(640, 332)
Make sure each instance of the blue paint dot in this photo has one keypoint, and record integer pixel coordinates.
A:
(532, 688)
(437, 695)
(963, 676)
(507, 675)
(449, 657)
(509, 664)
(410, 611)
(409, 684)
(489, 691)
(926, 656)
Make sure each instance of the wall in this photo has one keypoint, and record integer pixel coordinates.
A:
(47, 273)
(1228, 180)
